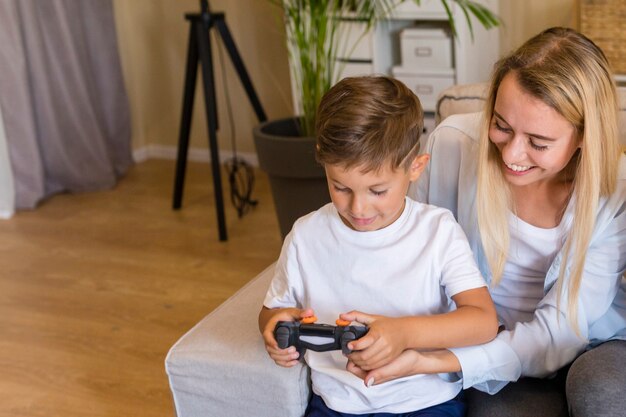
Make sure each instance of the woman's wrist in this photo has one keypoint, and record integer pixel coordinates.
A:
(440, 361)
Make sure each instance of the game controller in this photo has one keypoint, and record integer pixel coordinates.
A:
(289, 333)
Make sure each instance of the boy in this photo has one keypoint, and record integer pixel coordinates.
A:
(374, 249)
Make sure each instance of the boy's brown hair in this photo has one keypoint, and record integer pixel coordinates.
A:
(369, 121)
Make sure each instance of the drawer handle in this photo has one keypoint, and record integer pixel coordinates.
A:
(423, 51)
(423, 89)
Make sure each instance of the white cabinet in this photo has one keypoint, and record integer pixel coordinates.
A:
(381, 50)
(426, 84)
(426, 48)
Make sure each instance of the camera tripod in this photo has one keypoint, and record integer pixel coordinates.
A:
(199, 52)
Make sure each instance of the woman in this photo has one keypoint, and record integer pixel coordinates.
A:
(538, 183)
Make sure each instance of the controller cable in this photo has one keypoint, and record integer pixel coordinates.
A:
(240, 172)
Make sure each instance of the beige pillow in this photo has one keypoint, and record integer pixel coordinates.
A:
(462, 98)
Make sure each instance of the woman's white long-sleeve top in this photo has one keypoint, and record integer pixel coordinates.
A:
(539, 347)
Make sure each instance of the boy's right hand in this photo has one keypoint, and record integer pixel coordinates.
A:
(382, 344)
(267, 322)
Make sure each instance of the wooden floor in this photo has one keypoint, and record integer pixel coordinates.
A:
(96, 287)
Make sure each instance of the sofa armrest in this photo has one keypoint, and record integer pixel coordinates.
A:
(220, 367)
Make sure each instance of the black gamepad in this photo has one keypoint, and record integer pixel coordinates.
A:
(288, 333)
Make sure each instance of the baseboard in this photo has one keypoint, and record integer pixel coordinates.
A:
(195, 154)
(6, 214)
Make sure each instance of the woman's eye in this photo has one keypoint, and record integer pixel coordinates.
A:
(378, 193)
(501, 128)
(537, 147)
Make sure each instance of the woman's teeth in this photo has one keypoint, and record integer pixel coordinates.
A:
(517, 168)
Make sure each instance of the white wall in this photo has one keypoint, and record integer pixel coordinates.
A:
(153, 37)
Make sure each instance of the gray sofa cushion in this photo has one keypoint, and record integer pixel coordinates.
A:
(221, 368)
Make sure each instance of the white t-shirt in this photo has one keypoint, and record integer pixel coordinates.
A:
(411, 267)
(531, 253)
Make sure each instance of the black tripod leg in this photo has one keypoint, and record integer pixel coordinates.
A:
(241, 69)
(185, 120)
(204, 43)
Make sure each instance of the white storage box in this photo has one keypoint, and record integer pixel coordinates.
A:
(426, 48)
(425, 84)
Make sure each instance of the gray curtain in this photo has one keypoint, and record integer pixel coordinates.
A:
(62, 97)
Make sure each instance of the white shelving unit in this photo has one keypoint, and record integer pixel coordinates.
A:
(378, 51)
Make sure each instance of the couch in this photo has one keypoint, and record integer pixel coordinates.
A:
(220, 367)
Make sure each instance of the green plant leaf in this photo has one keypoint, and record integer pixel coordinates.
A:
(314, 40)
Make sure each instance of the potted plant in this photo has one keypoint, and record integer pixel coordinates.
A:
(286, 147)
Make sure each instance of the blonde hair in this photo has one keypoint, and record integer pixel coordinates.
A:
(369, 122)
(568, 72)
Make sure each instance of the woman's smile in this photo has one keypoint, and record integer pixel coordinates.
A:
(518, 169)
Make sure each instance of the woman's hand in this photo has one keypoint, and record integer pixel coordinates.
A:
(410, 362)
(383, 342)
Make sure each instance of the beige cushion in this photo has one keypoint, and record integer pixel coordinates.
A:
(462, 98)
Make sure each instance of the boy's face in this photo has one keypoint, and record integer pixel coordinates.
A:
(372, 200)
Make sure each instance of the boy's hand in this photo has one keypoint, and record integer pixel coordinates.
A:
(383, 342)
(284, 357)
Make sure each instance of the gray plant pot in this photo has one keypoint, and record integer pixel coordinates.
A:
(298, 182)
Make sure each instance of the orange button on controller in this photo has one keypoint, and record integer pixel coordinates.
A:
(342, 323)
